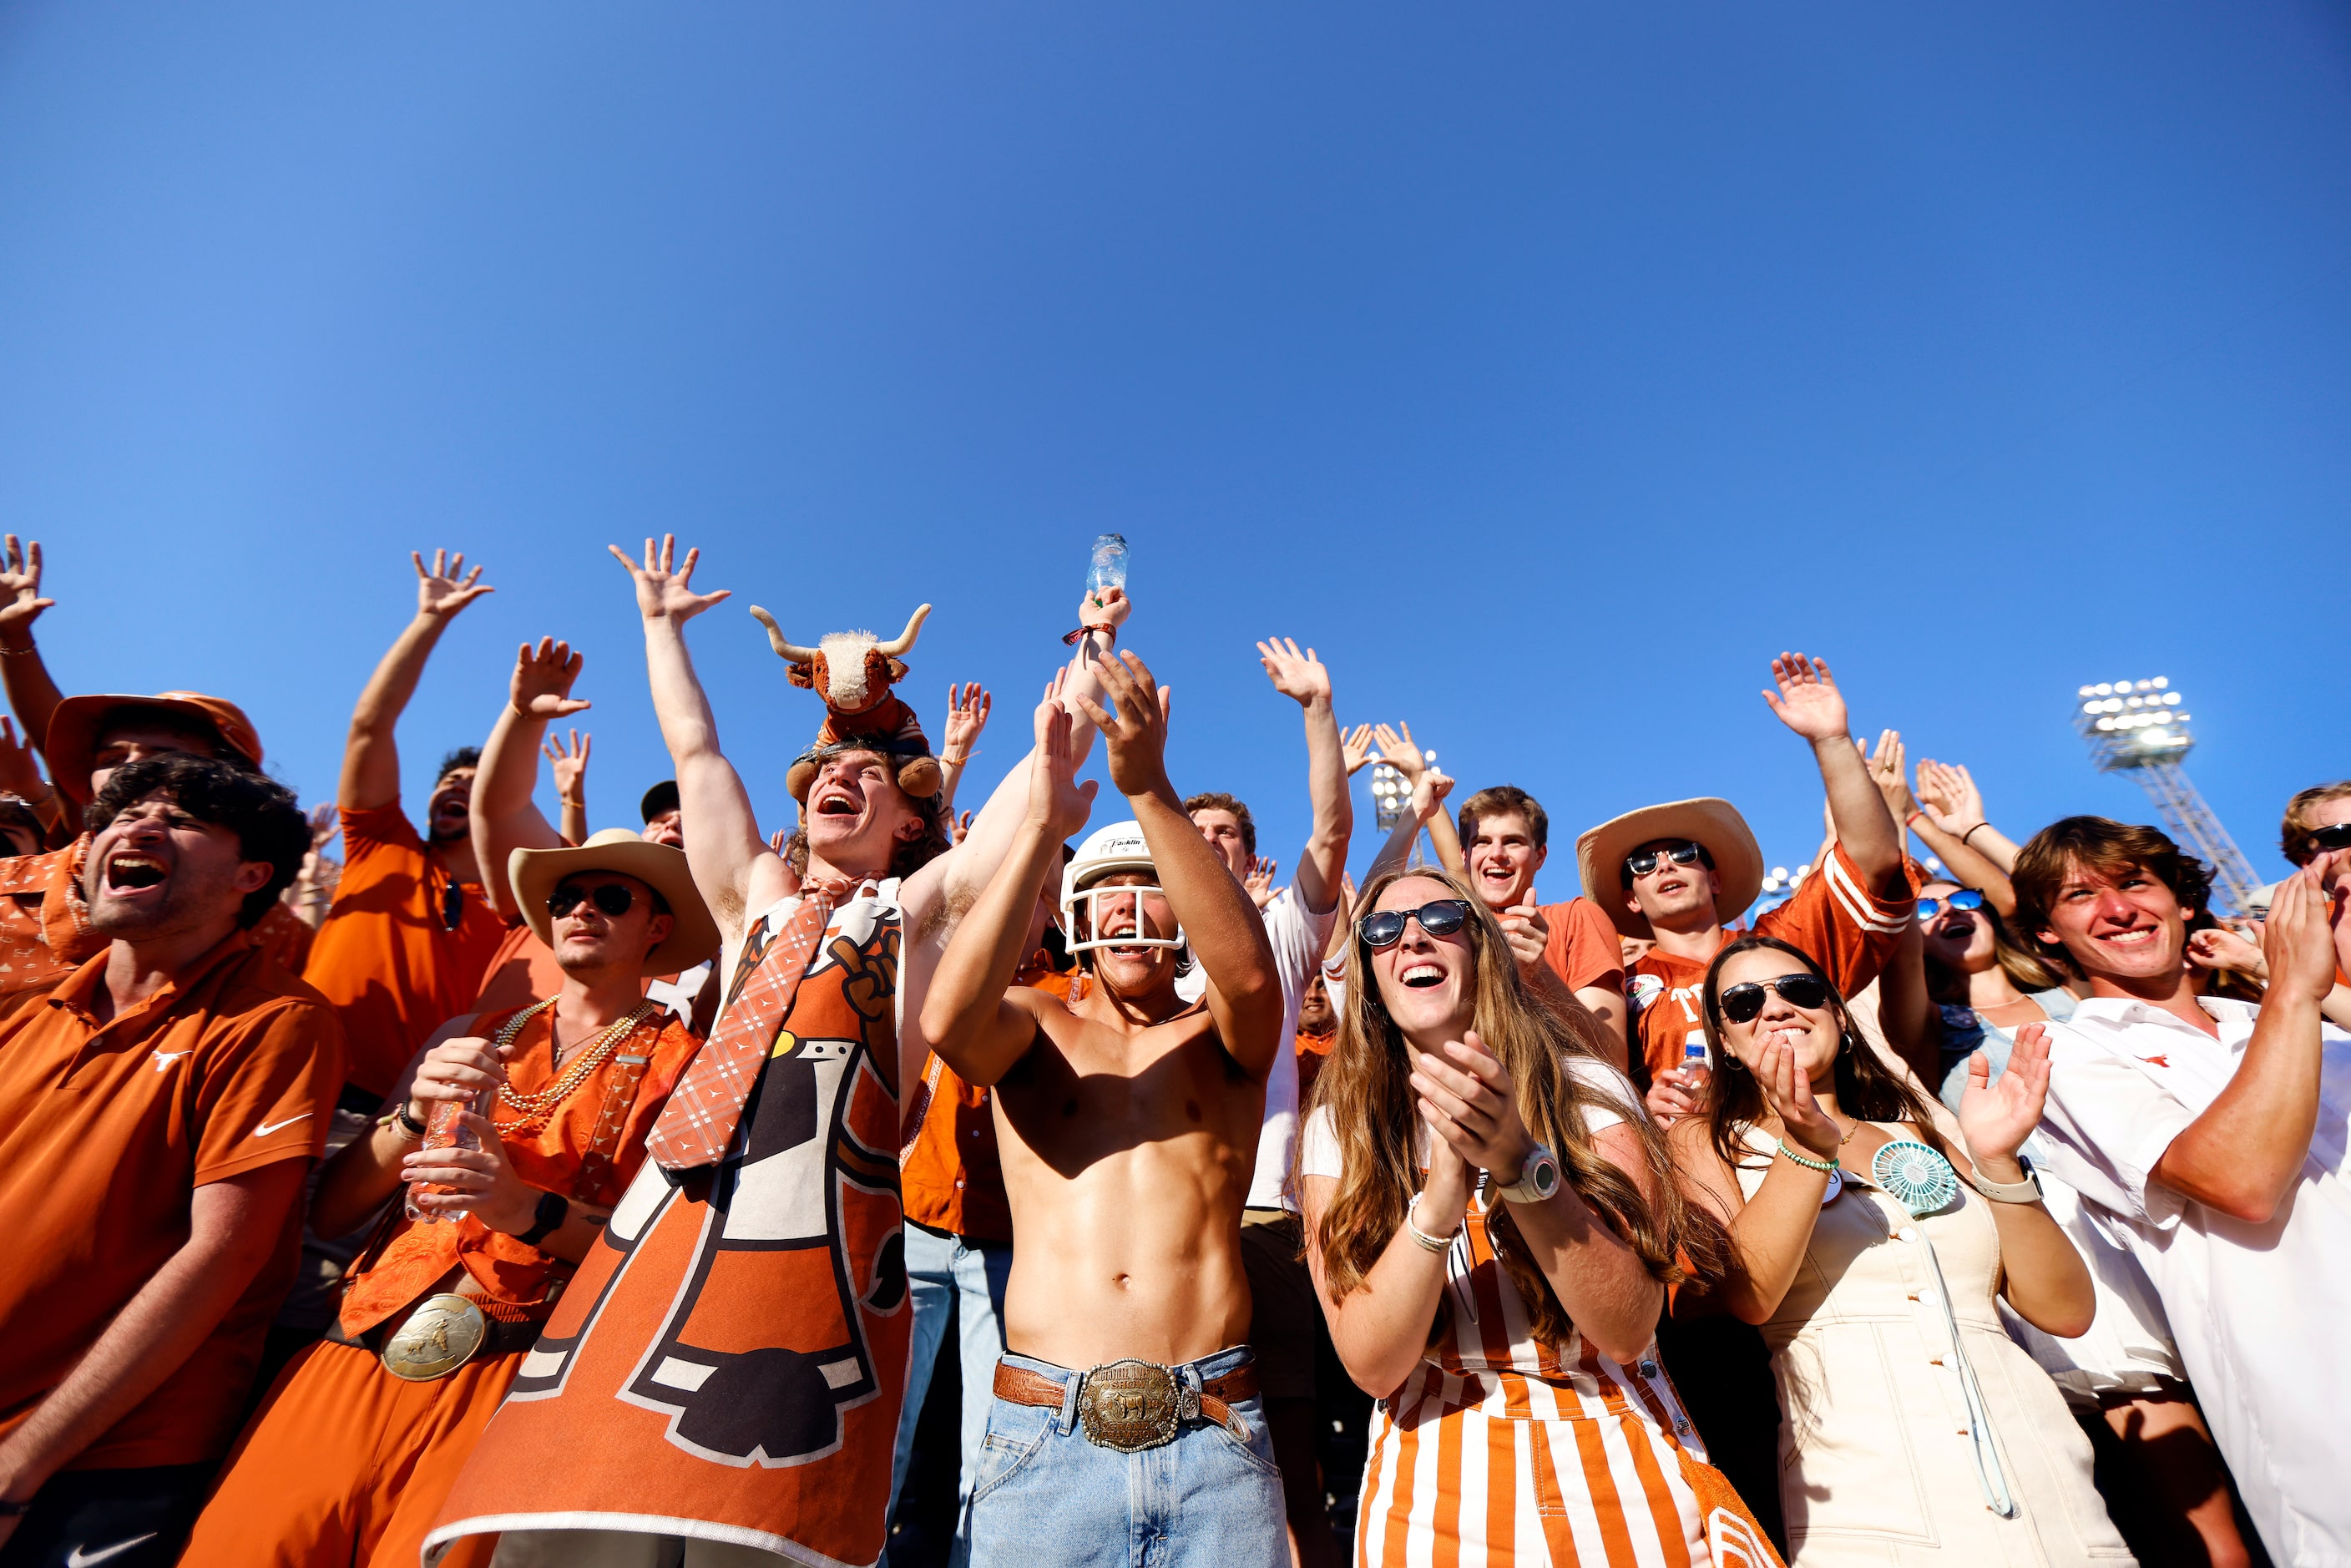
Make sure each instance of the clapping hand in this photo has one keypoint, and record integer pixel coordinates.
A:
(1807, 701)
(441, 592)
(665, 589)
(1995, 1118)
(1470, 1103)
(1057, 802)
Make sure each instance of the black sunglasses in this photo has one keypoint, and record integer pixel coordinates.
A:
(610, 897)
(1965, 898)
(1641, 863)
(2333, 836)
(1743, 1003)
(452, 905)
(1439, 917)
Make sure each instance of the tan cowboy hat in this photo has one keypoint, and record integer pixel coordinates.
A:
(692, 935)
(1715, 823)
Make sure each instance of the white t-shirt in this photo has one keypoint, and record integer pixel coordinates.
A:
(1299, 937)
(1617, 1102)
(2256, 1310)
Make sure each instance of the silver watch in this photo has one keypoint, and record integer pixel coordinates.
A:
(1538, 1178)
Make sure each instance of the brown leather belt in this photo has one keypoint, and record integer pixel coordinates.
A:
(1130, 1405)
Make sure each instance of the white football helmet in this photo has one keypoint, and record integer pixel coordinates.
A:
(1118, 846)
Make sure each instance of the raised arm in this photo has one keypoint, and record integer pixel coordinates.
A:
(505, 817)
(1244, 991)
(567, 764)
(31, 693)
(1809, 703)
(970, 1020)
(370, 759)
(1951, 822)
(732, 866)
(1303, 678)
(968, 706)
(1429, 788)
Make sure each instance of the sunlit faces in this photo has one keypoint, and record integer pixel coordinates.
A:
(1127, 904)
(1222, 828)
(2125, 923)
(1961, 939)
(1315, 1014)
(155, 870)
(589, 936)
(1672, 895)
(133, 736)
(666, 828)
(1814, 1032)
(856, 814)
(1427, 984)
(446, 811)
(1503, 857)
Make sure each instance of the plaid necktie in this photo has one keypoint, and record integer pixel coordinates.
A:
(699, 1121)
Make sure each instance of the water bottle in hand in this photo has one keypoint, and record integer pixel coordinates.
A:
(1107, 568)
(444, 1131)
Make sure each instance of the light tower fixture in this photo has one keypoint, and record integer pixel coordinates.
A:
(2140, 728)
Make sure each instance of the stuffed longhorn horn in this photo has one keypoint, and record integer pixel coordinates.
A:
(906, 639)
(789, 652)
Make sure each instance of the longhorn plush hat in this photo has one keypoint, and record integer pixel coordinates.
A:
(853, 671)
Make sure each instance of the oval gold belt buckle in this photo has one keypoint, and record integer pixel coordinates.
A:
(1128, 1406)
(440, 1336)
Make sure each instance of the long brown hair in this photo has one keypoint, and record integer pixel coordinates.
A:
(1366, 1085)
(1865, 1087)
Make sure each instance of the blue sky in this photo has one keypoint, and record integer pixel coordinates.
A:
(1547, 367)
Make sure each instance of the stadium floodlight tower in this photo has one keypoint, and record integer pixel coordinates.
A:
(2140, 728)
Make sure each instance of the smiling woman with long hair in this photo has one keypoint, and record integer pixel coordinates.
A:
(1868, 1248)
(1492, 1223)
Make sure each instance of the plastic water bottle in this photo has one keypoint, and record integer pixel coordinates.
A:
(1694, 1057)
(1107, 569)
(442, 1130)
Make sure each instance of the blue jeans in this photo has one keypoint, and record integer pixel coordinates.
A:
(944, 1271)
(1046, 1495)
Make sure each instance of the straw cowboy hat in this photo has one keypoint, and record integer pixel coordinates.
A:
(1714, 823)
(692, 935)
(71, 744)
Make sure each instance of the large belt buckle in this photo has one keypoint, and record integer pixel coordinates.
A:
(1130, 1405)
(440, 1336)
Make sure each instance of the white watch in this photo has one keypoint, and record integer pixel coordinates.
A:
(2025, 1191)
(1538, 1178)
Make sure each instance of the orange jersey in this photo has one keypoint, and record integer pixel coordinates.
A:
(105, 1129)
(1583, 948)
(549, 1153)
(1834, 919)
(385, 956)
(951, 1174)
(45, 924)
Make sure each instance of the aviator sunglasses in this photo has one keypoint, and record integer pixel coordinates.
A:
(610, 897)
(1439, 917)
(1743, 1003)
(1965, 898)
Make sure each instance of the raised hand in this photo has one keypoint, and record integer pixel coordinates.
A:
(2219, 948)
(1886, 772)
(1789, 1092)
(1526, 930)
(1355, 748)
(968, 706)
(665, 589)
(1136, 736)
(1259, 881)
(1111, 610)
(1297, 676)
(1399, 750)
(1807, 701)
(541, 686)
(1057, 801)
(447, 587)
(1996, 1118)
(326, 821)
(20, 587)
(568, 764)
(1428, 792)
(1468, 1100)
(959, 827)
(20, 774)
(1948, 796)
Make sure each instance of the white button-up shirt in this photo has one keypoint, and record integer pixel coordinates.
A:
(2262, 1314)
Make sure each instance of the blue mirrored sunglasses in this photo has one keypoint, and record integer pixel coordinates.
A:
(1965, 898)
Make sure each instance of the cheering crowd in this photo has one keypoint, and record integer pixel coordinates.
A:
(503, 1192)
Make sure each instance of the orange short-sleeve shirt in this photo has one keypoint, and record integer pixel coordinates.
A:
(385, 956)
(1835, 918)
(105, 1129)
(1583, 948)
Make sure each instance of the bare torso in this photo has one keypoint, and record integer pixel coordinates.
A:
(1127, 1157)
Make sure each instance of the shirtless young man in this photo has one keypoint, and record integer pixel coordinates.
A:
(1128, 1122)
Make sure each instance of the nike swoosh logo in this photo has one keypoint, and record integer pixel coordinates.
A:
(266, 1128)
(79, 1558)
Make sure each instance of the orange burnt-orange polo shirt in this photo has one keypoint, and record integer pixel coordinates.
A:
(105, 1129)
(385, 954)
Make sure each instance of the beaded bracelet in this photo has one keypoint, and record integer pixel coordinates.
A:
(1809, 1164)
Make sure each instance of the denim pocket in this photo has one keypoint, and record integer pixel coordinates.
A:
(1250, 1415)
(1016, 1434)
